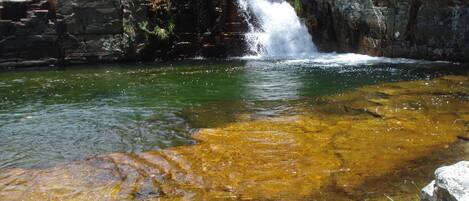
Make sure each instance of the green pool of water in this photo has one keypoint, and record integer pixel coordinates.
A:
(57, 115)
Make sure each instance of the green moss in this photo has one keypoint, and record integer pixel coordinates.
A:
(129, 29)
(298, 7)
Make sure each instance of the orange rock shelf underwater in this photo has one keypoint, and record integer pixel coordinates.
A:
(340, 143)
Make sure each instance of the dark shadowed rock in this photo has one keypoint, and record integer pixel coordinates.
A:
(423, 29)
(84, 31)
(89, 31)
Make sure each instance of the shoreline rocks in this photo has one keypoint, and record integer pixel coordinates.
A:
(451, 184)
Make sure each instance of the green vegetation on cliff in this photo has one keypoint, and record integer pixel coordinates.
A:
(159, 32)
(298, 7)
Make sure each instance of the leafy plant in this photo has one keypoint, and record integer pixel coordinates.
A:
(159, 32)
(159, 4)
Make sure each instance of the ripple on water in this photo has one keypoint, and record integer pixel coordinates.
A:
(331, 149)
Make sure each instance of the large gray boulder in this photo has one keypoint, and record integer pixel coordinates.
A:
(451, 184)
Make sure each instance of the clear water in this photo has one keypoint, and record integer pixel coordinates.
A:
(58, 115)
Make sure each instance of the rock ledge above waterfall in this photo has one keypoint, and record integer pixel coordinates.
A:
(451, 184)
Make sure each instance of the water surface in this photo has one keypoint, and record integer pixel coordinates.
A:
(53, 116)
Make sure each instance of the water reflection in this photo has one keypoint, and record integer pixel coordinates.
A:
(268, 81)
(333, 149)
(55, 116)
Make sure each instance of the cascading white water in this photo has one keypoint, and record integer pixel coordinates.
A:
(277, 32)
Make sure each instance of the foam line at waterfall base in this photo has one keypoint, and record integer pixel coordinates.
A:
(277, 33)
(339, 59)
(330, 149)
(325, 60)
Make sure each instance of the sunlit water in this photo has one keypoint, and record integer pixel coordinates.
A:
(267, 127)
(53, 116)
(239, 129)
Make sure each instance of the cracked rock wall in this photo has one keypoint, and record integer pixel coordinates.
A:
(44, 32)
(421, 29)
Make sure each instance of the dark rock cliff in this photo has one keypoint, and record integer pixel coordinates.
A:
(89, 31)
(36, 32)
(422, 29)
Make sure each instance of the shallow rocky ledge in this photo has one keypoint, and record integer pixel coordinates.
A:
(451, 184)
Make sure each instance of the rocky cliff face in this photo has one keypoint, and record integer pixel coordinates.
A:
(88, 31)
(423, 29)
(26, 34)
(85, 31)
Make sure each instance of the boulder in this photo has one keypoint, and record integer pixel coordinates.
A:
(451, 184)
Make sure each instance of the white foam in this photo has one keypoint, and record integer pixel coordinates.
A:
(275, 31)
(336, 60)
(277, 34)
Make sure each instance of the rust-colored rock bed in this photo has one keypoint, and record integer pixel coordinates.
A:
(370, 143)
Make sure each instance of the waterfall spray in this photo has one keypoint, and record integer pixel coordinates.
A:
(275, 30)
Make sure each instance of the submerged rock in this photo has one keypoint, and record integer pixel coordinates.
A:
(324, 150)
(451, 184)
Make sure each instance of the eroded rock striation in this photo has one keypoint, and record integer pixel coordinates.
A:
(87, 31)
(422, 29)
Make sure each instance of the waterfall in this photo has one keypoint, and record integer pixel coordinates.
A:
(275, 30)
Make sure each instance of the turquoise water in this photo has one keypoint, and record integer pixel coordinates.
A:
(52, 116)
